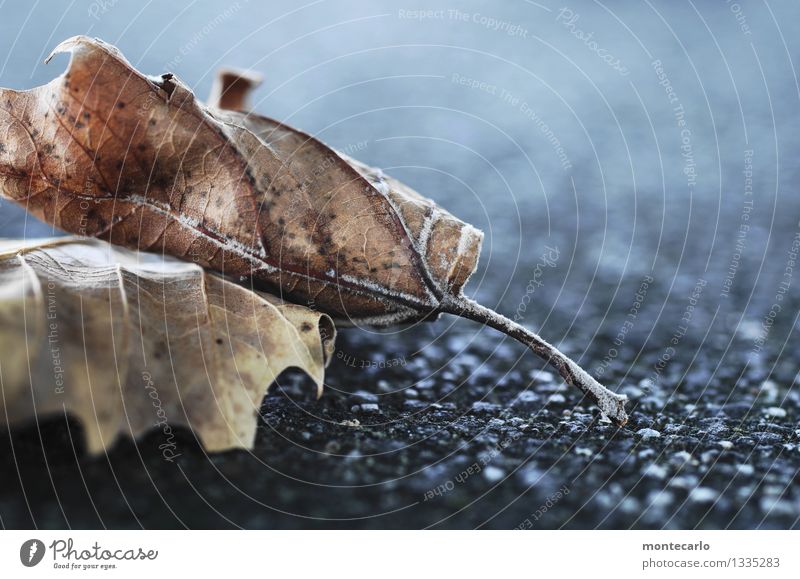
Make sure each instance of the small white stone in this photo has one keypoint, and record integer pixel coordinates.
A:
(745, 469)
(493, 474)
(660, 499)
(749, 329)
(725, 444)
(708, 456)
(703, 495)
(777, 506)
(527, 396)
(542, 376)
(530, 475)
(684, 482)
(681, 456)
(630, 505)
(770, 390)
(775, 412)
(556, 399)
(648, 433)
(646, 383)
(633, 392)
(656, 471)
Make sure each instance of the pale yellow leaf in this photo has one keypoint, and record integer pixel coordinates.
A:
(128, 342)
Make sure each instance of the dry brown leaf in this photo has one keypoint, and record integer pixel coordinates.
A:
(129, 341)
(107, 152)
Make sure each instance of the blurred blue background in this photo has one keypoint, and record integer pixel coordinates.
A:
(539, 122)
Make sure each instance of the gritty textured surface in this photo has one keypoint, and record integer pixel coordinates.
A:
(620, 251)
(456, 450)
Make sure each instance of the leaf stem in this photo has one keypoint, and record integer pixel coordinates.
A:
(611, 404)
